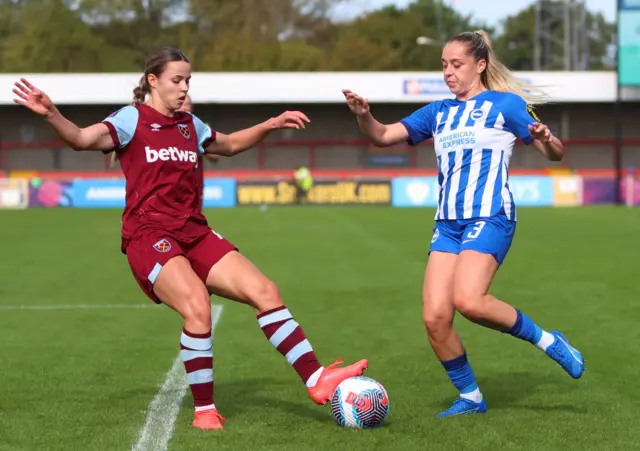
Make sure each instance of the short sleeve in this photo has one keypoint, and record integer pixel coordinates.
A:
(122, 125)
(421, 123)
(205, 134)
(518, 116)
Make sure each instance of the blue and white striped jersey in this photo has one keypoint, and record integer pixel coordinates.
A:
(473, 141)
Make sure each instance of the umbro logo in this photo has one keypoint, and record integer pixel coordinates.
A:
(155, 127)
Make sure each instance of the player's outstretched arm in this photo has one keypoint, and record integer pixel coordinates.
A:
(94, 137)
(380, 134)
(234, 143)
(550, 146)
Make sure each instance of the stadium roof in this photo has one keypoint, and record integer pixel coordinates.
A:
(305, 88)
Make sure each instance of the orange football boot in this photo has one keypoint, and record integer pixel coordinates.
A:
(331, 377)
(208, 419)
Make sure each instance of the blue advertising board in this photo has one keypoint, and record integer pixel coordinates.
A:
(414, 192)
(424, 191)
(531, 191)
(110, 193)
(98, 193)
(219, 193)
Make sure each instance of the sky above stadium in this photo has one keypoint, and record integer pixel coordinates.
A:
(492, 16)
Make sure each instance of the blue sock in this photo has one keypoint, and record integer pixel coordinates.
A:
(461, 374)
(525, 329)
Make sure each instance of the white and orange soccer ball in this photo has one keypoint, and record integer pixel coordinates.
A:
(360, 402)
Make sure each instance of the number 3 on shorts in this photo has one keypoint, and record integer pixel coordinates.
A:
(217, 234)
(476, 230)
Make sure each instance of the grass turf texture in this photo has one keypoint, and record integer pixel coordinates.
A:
(82, 379)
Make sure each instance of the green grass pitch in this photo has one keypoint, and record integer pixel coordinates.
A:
(83, 378)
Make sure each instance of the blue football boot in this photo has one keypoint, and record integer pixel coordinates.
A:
(462, 406)
(566, 355)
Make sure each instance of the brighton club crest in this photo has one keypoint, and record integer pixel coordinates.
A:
(184, 129)
(162, 246)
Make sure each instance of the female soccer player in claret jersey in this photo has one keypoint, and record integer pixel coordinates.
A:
(474, 135)
(174, 255)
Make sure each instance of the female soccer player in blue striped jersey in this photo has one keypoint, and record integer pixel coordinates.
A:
(474, 135)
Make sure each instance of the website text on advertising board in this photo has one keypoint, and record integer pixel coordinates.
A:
(322, 193)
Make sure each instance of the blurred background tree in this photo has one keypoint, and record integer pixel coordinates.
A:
(255, 35)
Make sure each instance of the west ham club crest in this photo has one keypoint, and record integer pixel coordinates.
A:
(184, 129)
(162, 246)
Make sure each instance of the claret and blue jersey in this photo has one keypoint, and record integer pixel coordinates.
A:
(473, 142)
(160, 158)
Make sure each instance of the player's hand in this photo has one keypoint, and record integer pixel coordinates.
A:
(540, 132)
(358, 105)
(290, 119)
(32, 98)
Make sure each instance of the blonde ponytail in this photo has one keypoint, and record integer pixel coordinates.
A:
(496, 76)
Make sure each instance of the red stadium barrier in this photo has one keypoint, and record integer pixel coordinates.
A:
(312, 147)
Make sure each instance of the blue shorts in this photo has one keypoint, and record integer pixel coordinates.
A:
(492, 235)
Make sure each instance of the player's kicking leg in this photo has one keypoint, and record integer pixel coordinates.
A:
(481, 253)
(473, 277)
(235, 277)
(552, 343)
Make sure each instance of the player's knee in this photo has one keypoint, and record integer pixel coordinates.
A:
(265, 296)
(197, 307)
(438, 322)
(470, 305)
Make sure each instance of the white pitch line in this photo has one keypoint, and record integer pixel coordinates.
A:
(163, 410)
(77, 306)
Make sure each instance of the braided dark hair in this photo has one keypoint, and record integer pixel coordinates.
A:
(155, 64)
(140, 92)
